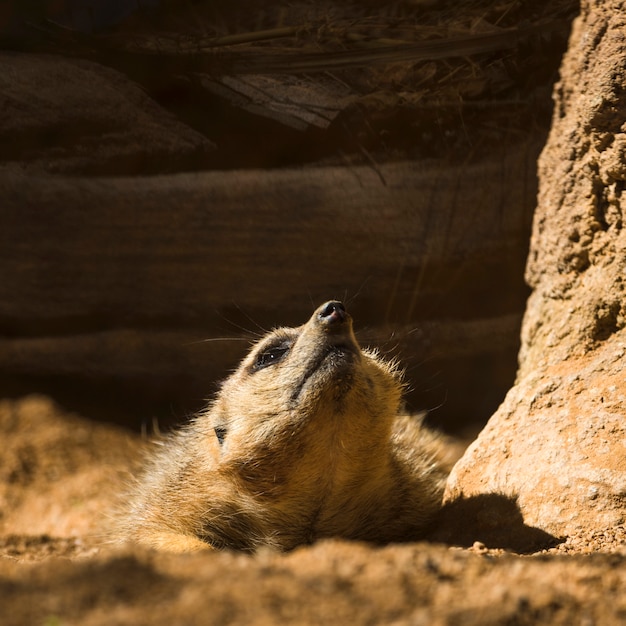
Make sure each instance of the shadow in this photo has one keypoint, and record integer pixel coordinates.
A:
(493, 519)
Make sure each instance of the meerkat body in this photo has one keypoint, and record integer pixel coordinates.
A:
(303, 441)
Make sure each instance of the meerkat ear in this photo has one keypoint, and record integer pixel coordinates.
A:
(220, 433)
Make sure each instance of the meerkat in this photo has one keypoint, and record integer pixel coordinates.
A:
(306, 439)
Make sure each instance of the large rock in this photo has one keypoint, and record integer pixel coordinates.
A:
(557, 445)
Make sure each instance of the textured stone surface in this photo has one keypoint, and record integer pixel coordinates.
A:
(73, 116)
(120, 279)
(558, 442)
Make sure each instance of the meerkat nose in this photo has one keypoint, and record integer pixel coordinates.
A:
(333, 312)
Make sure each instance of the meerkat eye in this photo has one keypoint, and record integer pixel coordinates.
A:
(220, 433)
(271, 355)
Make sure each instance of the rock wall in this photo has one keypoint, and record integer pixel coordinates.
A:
(112, 281)
(557, 445)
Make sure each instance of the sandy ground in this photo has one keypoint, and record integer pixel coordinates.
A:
(61, 476)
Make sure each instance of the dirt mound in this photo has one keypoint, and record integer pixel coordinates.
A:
(332, 582)
(58, 473)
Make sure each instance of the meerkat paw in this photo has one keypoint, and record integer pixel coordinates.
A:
(175, 543)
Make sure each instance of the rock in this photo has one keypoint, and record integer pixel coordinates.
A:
(557, 445)
(121, 279)
(77, 117)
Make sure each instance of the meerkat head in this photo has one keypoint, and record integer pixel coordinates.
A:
(313, 376)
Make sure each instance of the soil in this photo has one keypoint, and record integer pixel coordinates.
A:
(61, 476)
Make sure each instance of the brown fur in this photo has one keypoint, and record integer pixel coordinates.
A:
(313, 446)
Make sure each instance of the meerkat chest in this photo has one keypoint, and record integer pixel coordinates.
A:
(315, 491)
